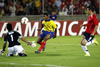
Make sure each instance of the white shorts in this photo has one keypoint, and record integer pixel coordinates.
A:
(15, 49)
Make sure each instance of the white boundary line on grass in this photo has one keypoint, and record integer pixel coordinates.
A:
(33, 64)
(58, 44)
(67, 44)
(62, 44)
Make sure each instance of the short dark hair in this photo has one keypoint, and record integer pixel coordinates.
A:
(45, 14)
(91, 8)
(9, 26)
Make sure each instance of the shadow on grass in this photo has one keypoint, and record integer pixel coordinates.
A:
(53, 54)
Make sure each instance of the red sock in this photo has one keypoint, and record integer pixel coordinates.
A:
(42, 45)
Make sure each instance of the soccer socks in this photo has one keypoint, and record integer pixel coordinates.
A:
(85, 49)
(42, 45)
(89, 43)
(22, 54)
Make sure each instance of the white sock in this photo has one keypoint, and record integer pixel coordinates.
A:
(85, 50)
(89, 43)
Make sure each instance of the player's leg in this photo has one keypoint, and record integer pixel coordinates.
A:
(91, 41)
(10, 51)
(51, 35)
(39, 40)
(87, 40)
(43, 43)
(19, 49)
(22, 53)
(44, 47)
(83, 44)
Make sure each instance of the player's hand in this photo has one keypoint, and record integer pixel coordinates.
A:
(81, 25)
(32, 44)
(39, 29)
(55, 36)
(92, 34)
(2, 51)
(29, 43)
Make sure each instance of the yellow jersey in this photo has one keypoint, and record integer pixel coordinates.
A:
(37, 3)
(49, 25)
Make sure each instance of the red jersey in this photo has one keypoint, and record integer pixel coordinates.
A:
(91, 23)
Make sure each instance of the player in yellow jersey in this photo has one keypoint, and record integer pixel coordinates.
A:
(49, 31)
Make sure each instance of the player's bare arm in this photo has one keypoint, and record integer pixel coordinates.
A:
(39, 29)
(28, 43)
(95, 29)
(4, 46)
(23, 39)
(55, 33)
(83, 25)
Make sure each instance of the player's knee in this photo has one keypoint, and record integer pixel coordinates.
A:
(82, 43)
(22, 54)
(9, 54)
(38, 42)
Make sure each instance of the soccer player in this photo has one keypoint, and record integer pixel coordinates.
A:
(49, 31)
(53, 16)
(14, 46)
(92, 26)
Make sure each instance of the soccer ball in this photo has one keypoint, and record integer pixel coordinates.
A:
(24, 20)
(33, 44)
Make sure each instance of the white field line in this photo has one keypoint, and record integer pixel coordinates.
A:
(58, 44)
(68, 44)
(48, 65)
(63, 44)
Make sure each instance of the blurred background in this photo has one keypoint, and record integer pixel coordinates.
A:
(38, 7)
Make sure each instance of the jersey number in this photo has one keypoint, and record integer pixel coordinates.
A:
(11, 37)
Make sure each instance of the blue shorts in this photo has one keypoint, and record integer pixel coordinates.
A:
(44, 33)
(88, 36)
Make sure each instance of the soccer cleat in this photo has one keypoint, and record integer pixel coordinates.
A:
(86, 55)
(96, 42)
(37, 51)
(8, 55)
(44, 47)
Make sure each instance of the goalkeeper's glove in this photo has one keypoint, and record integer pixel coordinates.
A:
(32, 44)
(29, 43)
(2, 51)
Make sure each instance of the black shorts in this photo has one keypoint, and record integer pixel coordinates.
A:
(88, 36)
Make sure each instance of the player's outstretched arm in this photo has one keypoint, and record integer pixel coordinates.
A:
(95, 29)
(28, 43)
(4, 46)
(2, 50)
(23, 39)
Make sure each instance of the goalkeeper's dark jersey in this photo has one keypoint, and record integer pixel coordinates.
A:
(12, 38)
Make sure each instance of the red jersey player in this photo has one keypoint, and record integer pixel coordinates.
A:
(92, 26)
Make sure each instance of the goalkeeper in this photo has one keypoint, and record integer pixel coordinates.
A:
(14, 46)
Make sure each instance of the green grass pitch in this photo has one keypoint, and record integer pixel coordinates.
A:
(63, 51)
